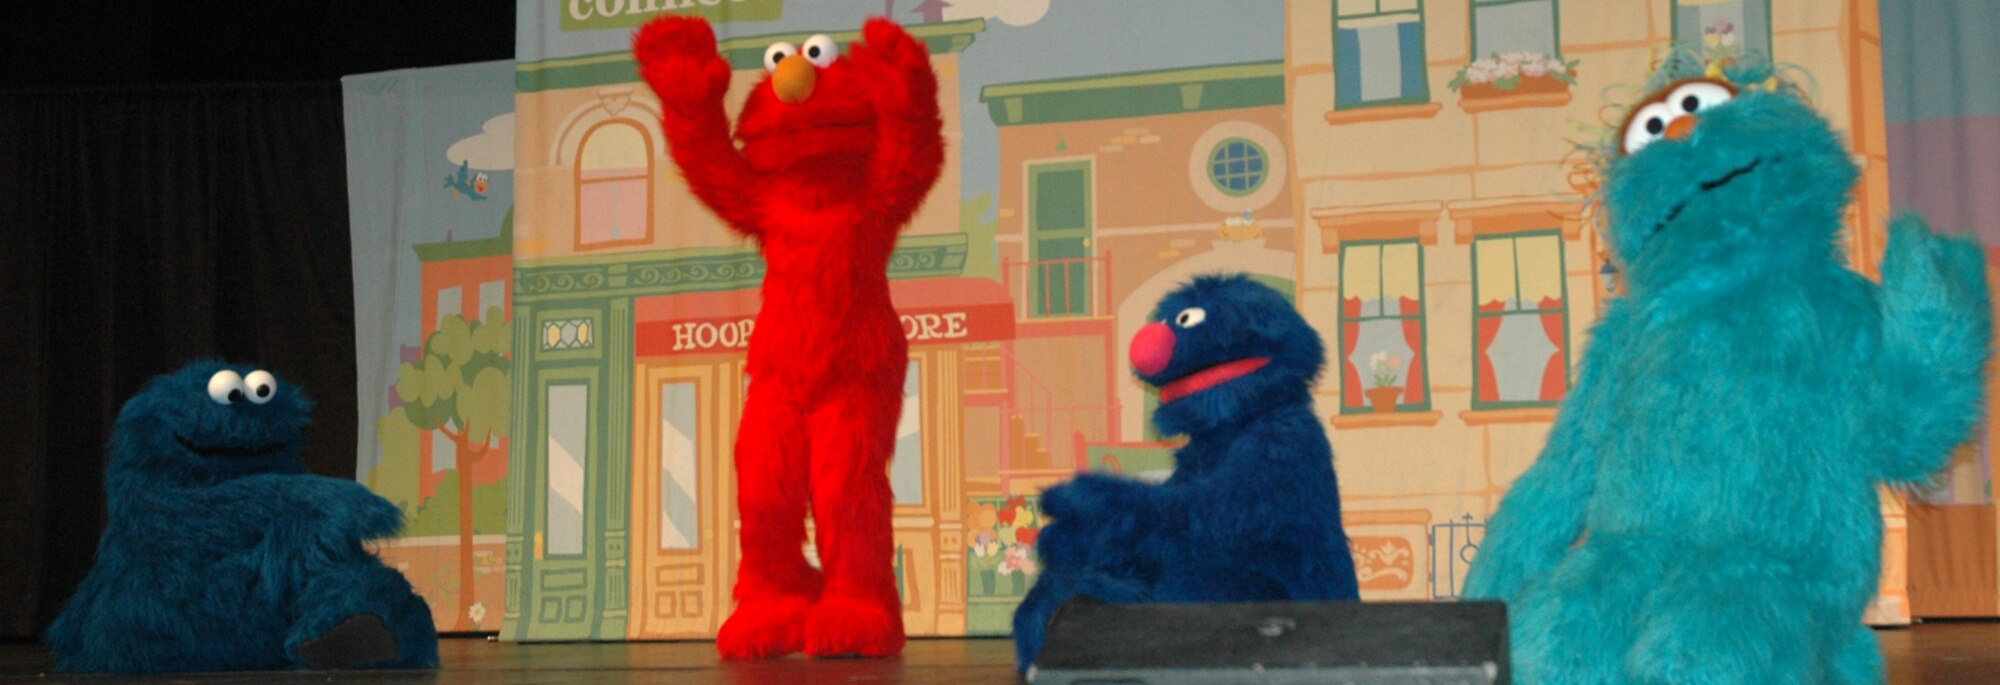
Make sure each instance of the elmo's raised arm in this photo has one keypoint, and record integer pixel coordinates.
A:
(903, 90)
(678, 58)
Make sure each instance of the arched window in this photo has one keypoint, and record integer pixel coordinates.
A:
(614, 186)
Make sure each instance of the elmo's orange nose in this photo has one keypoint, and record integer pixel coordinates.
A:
(793, 80)
(1682, 127)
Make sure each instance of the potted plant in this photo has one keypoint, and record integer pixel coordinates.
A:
(1386, 370)
(1514, 73)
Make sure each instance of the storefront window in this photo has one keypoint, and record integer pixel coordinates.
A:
(906, 470)
(680, 491)
(1382, 327)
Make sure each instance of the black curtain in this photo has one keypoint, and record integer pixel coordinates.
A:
(141, 228)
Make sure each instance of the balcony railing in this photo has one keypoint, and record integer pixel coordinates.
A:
(1059, 288)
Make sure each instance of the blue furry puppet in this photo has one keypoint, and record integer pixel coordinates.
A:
(1252, 512)
(1705, 510)
(221, 553)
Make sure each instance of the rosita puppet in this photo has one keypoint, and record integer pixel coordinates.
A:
(1252, 510)
(1705, 510)
(835, 155)
(221, 553)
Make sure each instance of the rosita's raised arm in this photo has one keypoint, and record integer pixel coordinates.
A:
(677, 57)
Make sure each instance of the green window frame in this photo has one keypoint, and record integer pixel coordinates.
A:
(1350, 17)
(1555, 25)
(1420, 355)
(1696, 32)
(1512, 241)
(1238, 166)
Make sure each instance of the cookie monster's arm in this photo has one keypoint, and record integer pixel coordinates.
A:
(1937, 333)
(329, 514)
(909, 151)
(677, 56)
(1544, 511)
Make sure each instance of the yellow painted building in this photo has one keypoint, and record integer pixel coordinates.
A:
(1447, 253)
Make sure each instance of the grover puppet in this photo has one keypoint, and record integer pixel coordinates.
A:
(1705, 510)
(221, 553)
(1252, 511)
(836, 155)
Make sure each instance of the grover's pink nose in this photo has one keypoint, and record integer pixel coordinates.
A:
(1152, 348)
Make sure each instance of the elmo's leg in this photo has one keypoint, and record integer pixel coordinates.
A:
(853, 436)
(774, 585)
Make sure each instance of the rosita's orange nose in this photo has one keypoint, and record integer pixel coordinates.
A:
(1683, 127)
(793, 80)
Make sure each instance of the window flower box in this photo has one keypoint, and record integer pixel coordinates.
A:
(1513, 80)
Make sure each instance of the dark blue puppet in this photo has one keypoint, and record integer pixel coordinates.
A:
(1705, 510)
(1252, 511)
(220, 551)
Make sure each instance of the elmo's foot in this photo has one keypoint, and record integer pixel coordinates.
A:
(764, 628)
(849, 626)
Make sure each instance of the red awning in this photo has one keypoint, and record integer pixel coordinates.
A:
(934, 311)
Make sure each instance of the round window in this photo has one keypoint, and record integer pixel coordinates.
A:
(1237, 166)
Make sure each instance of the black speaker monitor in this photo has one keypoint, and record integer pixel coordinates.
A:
(1330, 643)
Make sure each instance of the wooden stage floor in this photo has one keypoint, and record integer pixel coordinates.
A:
(1953, 653)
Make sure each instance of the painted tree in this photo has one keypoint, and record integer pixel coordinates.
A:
(461, 391)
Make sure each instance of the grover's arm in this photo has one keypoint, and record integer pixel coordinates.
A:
(909, 152)
(678, 58)
(1544, 511)
(1936, 337)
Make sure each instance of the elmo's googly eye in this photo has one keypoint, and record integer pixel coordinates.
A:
(820, 50)
(1191, 317)
(225, 387)
(1696, 96)
(1647, 125)
(261, 386)
(777, 53)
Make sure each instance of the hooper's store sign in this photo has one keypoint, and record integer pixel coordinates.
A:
(591, 15)
(976, 323)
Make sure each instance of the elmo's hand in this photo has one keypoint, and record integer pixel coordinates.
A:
(678, 58)
(900, 82)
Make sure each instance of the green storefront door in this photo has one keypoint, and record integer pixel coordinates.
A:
(563, 572)
(1059, 225)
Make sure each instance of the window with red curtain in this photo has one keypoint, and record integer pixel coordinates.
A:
(614, 186)
(1520, 320)
(1382, 324)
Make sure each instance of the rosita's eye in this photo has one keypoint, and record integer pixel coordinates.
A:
(1697, 96)
(1647, 125)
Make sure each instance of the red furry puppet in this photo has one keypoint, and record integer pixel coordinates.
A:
(836, 154)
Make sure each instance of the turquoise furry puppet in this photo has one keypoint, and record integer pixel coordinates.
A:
(1705, 510)
(220, 552)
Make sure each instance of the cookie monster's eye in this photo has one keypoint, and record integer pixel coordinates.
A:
(1696, 96)
(1647, 125)
(777, 53)
(820, 50)
(262, 386)
(225, 387)
(1190, 317)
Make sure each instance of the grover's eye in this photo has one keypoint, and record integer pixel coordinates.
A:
(225, 387)
(1647, 125)
(777, 53)
(261, 386)
(1697, 96)
(1190, 317)
(820, 50)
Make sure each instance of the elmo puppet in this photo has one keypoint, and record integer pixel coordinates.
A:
(831, 156)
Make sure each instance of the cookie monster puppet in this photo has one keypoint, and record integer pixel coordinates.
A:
(1252, 511)
(837, 154)
(221, 553)
(1705, 510)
